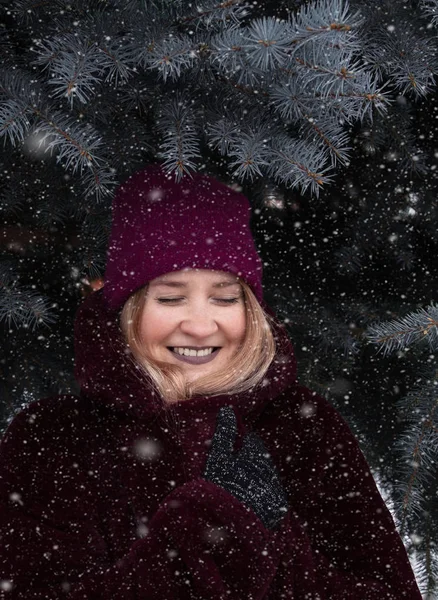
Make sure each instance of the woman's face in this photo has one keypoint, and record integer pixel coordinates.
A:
(194, 319)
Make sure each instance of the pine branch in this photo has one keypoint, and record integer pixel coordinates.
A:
(214, 12)
(297, 164)
(330, 134)
(222, 134)
(26, 10)
(349, 259)
(77, 67)
(116, 61)
(418, 449)
(430, 8)
(228, 56)
(76, 146)
(313, 53)
(12, 199)
(268, 43)
(170, 57)
(329, 22)
(293, 101)
(22, 307)
(180, 147)
(250, 154)
(14, 121)
(411, 329)
(335, 335)
(405, 56)
(77, 150)
(393, 132)
(16, 109)
(361, 314)
(427, 563)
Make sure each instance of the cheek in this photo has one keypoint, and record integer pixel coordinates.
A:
(154, 326)
(239, 327)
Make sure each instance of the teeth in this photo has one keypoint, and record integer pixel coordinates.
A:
(189, 352)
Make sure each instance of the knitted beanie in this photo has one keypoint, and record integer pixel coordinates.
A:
(160, 226)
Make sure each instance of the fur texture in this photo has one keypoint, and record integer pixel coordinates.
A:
(101, 496)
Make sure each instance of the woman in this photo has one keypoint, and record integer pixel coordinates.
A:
(192, 465)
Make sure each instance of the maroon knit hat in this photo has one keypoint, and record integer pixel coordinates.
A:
(160, 226)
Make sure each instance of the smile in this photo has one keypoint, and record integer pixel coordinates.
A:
(194, 357)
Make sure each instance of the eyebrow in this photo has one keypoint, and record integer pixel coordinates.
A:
(181, 284)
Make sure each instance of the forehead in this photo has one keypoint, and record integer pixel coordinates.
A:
(194, 276)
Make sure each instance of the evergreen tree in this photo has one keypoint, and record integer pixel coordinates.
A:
(323, 112)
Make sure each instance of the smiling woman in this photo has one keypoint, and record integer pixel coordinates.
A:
(177, 329)
(198, 332)
(192, 465)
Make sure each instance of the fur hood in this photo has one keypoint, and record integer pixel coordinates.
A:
(102, 496)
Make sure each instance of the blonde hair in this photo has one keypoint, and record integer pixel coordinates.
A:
(250, 364)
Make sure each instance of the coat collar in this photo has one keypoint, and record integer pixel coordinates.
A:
(106, 373)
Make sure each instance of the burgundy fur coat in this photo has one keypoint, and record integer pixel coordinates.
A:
(102, 495)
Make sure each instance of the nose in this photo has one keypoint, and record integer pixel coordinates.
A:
(199, 323)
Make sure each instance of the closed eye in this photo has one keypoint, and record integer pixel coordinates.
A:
(228, 300)
(168, 300)
(220, 300)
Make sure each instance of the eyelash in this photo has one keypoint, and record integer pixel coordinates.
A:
(172, 300)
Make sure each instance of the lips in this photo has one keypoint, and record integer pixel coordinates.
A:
(196, 360)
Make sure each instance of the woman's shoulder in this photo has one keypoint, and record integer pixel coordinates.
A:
(300, 408)
(297, 399)
(51, 420)
(50, 407)
(49, 458)
(305, 430)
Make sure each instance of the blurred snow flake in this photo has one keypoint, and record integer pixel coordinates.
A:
(413, 197)
(273, 198)
(142, 530)
(340, 386)
(5, 585)
(155, 195)
(15, 497)
(147, 449)
(36, 144)
(307, 409)
(416, 539)
(215, 535)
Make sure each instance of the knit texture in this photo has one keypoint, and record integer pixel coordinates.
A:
(160, 226)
